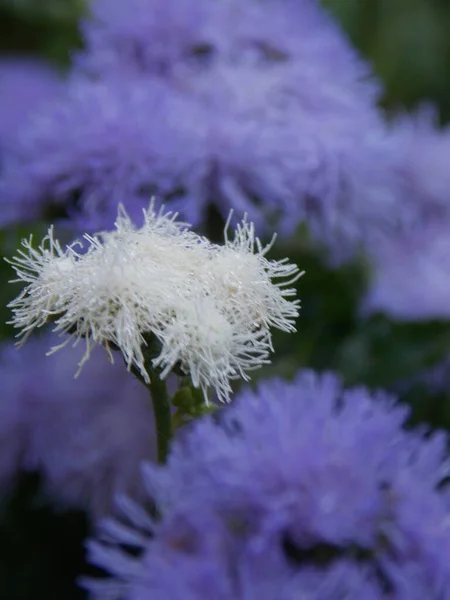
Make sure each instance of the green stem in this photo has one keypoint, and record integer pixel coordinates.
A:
(163, 415)
(161, 410)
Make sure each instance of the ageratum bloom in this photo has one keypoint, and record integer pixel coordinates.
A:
(260, 107)
(158, 37)
(86, 436)
(209, 307)
(101, 144)
(195, 558)
(303, 485)
(411, 275)
(421, 149)
(144, 35)
(411, 267)
(25, 86)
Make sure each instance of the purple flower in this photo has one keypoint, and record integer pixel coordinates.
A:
(143, 35)
(86, 436)
(263, 108)
(101, 144)
(302, 485)
(281, 146)
(422, 149)
(411, 267)
(198, 558)
(230, 137)
(411, 274)
(159, 36)
(25, 86)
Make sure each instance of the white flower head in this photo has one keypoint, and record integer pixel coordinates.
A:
(46, 270)
(244, 278)
(210, 307)
(211, 347)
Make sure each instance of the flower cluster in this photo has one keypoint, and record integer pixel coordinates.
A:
(86, 437)
(104, 143)
(299, 488)
(160, 38)
(259, 107)
(207, 308)
(25, 85)
(411, 275)
(411, 271)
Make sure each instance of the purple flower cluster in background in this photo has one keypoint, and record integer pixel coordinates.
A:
(411, 270)
(303, 488)
(411, 275)
(160, 38)
(25, 85)
(98, 146)
(86, 436)
(261, 107)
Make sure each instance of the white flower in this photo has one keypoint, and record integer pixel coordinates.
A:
(210, 307)
(243, 277)
(46, 270)
(211, 347)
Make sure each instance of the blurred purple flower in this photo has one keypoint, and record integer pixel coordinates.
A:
(101, 144)
(143, 35)
(158, 36)
(265, 108)
(87, 436)
(324, 485)
(196, 559)
(26, 84)
(283, 147)
(411, 274)
(422, 151)
(411, 266)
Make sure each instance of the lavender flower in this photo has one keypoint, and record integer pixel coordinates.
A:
(86, 436)
(101, 144)
(25, 86)
(195, 559)
(143, 35)
(157, 37)
(411, 275)
(411, 268)
(421, 147)
(279, 122)
(324, 485)
(286, 148)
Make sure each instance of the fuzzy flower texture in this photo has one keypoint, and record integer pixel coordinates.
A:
(161, 292)
(85, 436)
(298, 490)
(261, 107)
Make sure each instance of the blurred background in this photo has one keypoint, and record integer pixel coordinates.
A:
(42, 529)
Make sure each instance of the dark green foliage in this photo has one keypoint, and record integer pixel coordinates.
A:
(408, 43)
